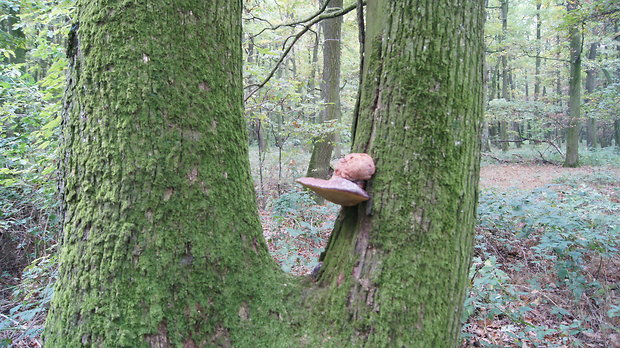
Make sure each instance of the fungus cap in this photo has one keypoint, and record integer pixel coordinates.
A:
(337, 190)
(355, 167)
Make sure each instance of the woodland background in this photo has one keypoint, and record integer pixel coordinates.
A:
(546, 269)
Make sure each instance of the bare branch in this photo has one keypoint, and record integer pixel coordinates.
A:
(317, 19)
(293, 24)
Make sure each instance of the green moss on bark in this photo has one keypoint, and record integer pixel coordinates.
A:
(403, 257)
(162, 242)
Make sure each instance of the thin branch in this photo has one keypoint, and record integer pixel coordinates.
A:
(292, 24)
(484, 154)
(331, 14)
(362, 39)
(547, 58)
(536, 141)
(255, 18)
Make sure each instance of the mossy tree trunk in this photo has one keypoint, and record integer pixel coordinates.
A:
(398, 264)
(162, 245)
(330, 94)
(574, 91)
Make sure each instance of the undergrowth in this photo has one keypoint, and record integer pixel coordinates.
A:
(546, 268)
(546, 154)
(298, 230)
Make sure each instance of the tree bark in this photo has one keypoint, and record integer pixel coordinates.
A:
(330, 94)
(162, 243)
(591, 134)
(538, 51)
(503, 124)
(574, 90)
(420, 119)
(314, 62)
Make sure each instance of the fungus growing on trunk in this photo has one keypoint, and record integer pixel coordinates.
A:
(345, 187)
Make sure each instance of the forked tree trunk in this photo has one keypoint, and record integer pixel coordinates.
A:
(162, 246)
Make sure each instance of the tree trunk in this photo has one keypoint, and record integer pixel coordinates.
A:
(486, 144)
(486, 141)
(617, 133)
(591, 136)
(16, 35)
(162, 246)
(503, 124)
(558, 74)
(516, 127)
(330, 94)
(574, 90)
(398, 264)
(314, 62)
(538, 51)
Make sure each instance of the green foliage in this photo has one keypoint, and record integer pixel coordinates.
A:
(546, 153)
(556, 230)
(30, 301)
(288, 107)
(30, 104)
(30, 117)
(604, 103)
(299, 224)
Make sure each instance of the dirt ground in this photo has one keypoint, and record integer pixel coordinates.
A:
(531, 176)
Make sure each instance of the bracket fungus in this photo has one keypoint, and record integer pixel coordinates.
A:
(345, 187)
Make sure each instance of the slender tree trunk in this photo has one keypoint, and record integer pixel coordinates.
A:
(503, 124)
(538, 51)
(494, 83)
(617, 118)
(516, 127)
(330, 93)
(617, 133)
(591, 137)
(17, 36)
(314, 62)
(574, 86)
(486, 142)
(486, 145)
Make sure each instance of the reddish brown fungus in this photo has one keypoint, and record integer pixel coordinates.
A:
(345, 186)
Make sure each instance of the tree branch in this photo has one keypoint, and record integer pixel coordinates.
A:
(292, 24)
(317, 19)
(547, 58)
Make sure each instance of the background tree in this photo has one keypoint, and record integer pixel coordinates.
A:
(318, 166)
(574, 88)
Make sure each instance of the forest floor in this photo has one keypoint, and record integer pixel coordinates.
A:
(545, 272)
(530, 176)
(518, 298)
